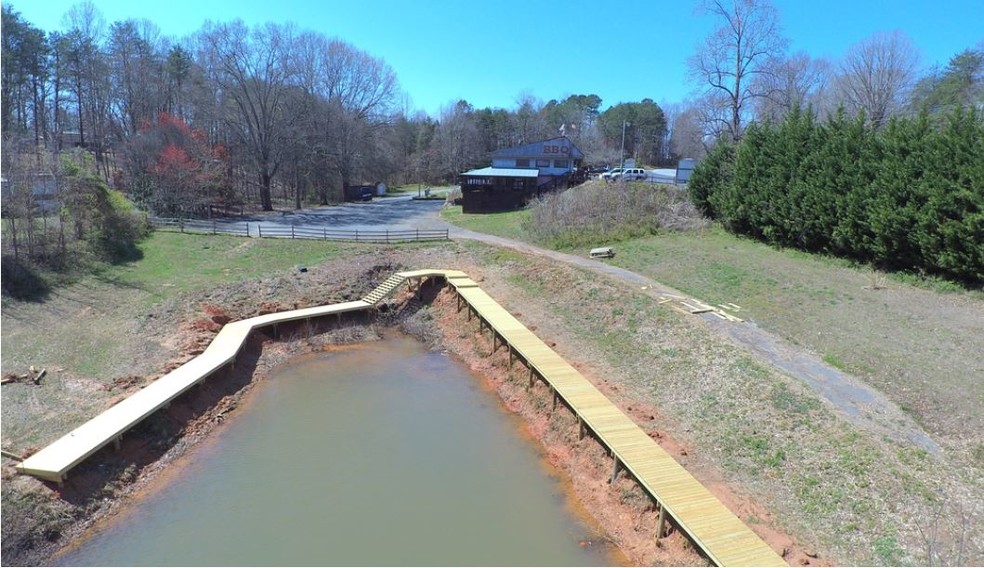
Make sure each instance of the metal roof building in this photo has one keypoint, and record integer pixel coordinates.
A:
(520, 173)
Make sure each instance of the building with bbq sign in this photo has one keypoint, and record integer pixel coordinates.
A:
(519, 174)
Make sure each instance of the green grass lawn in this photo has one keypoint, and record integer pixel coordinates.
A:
(918, 344)
(175, 263)
(508, 225)
(88, 325)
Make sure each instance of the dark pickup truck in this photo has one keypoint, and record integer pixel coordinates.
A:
(359, 193)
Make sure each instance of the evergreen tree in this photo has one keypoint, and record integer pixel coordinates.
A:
(712, 176)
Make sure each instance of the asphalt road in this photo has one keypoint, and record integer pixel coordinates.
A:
(392, 213)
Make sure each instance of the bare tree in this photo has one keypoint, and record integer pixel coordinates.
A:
(347, 103)
(686, 132)
(456, 139)
(253, 69)
(24, 75)
(729, 60)
(362, 83)
(87, 75)
(361, 90)
(795, 81)
(529, 124)
(876, 75)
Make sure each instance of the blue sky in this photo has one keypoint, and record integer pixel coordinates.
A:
(490, 53)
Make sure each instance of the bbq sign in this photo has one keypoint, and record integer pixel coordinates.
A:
(556, 150)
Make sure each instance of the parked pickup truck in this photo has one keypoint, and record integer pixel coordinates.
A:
(607, 176)
(626, 174)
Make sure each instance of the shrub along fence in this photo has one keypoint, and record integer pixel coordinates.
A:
(907, 197)
(247, 229)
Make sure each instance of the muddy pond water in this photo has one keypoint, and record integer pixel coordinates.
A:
(378, 454)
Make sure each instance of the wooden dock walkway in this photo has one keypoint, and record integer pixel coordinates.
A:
(54, 461)
(722, 536)
(709, 524)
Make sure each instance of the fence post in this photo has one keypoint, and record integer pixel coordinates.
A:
(387, 236)
(292, 231)
(214, 228)
(247, 228)
(324, 231)
(356, 235)
(181, 224)
(259, 230)
(418, 234)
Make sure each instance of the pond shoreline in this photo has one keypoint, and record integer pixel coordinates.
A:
(204, 414)
(623, 511)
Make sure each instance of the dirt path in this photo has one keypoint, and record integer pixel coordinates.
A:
(858, 402)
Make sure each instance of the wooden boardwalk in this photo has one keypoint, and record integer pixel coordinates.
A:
(54, 461)
(708, 523)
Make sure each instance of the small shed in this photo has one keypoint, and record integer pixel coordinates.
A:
(684, 169)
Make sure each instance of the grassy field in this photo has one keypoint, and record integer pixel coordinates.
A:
(508, 225)
(858, 499)
(171, 265)
(917, 341)
(175, 263)
(872, 500)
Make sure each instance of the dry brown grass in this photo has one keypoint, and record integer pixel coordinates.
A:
(857, 497)
(596, 211)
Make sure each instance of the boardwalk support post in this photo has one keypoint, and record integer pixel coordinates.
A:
(530, 385)
(118, 443)
(555, 396)
(580, 428)
(661, 525)
(615, 469)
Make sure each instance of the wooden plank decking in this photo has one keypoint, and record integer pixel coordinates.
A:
(54, 461)
(709, 524)
(725, 539)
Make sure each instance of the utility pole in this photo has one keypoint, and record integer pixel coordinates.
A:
(621, 155)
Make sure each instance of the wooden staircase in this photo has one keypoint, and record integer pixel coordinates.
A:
(384, 289)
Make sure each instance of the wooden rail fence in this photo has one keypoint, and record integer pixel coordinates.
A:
(248, 229)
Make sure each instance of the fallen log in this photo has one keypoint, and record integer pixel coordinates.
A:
(12, 455)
